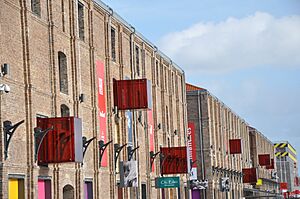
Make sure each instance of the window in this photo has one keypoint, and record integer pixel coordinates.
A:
(36, 7)
(113, 44)
(81, 20)
(167, 118)
(63, 72)
(157, 73)
(137, 60)
(64, 110)
(63, 15)
(68, 192)
(144, 191)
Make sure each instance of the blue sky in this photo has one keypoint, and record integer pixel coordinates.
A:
(247, 53)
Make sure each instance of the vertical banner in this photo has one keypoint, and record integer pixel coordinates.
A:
(151, 133)
(100, 72)
(192, 143)
(128, 115)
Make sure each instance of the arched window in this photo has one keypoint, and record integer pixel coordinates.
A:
(63, 72)
(64, 110)
(68, 192)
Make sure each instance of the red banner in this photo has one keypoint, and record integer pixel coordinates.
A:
(192, 143)
(174, 160)
(272, 165)
(283, 186)
(151, 133)
(101, 106)
(63, 143)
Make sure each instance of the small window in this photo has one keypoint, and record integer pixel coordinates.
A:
(157, 73)
(64, 110)
(63, 15)
(113, 44)
(63, 72)
(36, 7)
(137, 60)
(167, 118)
(144, 191)
(81, 20)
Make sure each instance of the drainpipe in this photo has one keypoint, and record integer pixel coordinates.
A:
(201, 139)
(134, 117)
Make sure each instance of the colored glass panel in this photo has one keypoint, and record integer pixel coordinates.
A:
(41, 189)
(13, 190)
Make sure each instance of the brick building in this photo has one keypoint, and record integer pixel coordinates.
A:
(52, 48)
(218, 133)
(216, 124)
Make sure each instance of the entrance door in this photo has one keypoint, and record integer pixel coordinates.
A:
(68, 192)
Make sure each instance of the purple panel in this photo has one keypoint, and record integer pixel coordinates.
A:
(48, 189)
(195, 194)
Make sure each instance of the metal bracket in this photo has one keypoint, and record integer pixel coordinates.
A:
(152, 157)
(102, 148)
(86, 143)
(9, 130)
(118, 149)
(131, 151)
(39, 136)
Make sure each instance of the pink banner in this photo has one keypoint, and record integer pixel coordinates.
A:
(151, 133)
(191, 142)
(101, 106)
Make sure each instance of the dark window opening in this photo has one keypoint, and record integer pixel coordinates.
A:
(113, 44)
(68, 192)
(36, 7)
(64, 110)
(137, 60)
(157, 73)
(144, 191)
(81, 20)
(63, 15)
(63, 73)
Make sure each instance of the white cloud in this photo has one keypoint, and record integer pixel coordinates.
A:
(253, 41)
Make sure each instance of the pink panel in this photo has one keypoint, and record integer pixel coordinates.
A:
(41, 189)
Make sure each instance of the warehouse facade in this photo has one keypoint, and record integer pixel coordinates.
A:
(226, 148)
(55, 49)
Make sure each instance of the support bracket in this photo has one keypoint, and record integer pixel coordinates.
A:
(152, 157)
(118, 149)
(85, 144)
(9, 130)
(39, 136)
(131, 151)
(102, 148)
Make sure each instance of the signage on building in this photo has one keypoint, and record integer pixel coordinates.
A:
(235, 146)
(249, 175)
(283, 186)
(259, 182)
(193, 174)
(224, 184)
(264, 159)
(132, 94)
(63, 143)
(174, 160)
(192, 143)
(100, 72)
(167, 182)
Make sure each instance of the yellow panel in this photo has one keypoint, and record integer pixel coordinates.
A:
(283, 145)
(13, 189)
(276, 145)
(259, 182)
(292, 157)
(277, 154)
(284, 154)
(292, 149)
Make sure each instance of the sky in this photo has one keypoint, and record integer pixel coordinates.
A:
(246, 53)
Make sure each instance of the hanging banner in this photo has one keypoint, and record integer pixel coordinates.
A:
(128, 174)
(192, 144)
(151, 133)
(100, 72)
